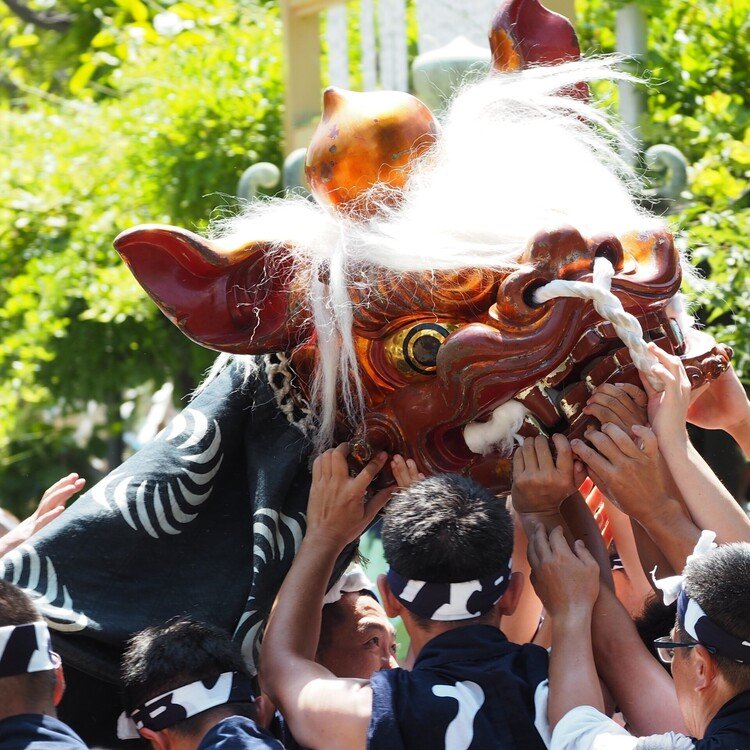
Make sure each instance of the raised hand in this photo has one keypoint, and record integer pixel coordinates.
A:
(621, 404)
(50, 507)
(634, 476)
(667, 411)
(565, 580)
(336, 507)
(723, 405)
(405, 472)
(541, 483)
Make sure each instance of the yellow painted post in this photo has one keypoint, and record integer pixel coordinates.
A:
(302, 68)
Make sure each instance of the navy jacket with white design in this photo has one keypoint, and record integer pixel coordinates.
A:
(37, 732)
(470, 688)
(238, 733)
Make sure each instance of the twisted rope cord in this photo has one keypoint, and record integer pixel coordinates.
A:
(610, 308)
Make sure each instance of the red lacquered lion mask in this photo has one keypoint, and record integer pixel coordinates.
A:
(441, 347)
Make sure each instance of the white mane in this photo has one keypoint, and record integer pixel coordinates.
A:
(514, 157)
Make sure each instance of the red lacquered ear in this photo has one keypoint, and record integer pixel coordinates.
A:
(239, 300)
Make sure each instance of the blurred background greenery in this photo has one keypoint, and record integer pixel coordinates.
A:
(117, 112)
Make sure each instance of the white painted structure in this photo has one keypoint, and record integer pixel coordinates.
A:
(383, 54)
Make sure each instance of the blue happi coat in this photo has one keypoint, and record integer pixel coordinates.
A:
(470, 688)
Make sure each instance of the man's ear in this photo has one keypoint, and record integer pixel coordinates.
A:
(507, 605)
(704, 665)
(59, 685)
(159, 740)
(391, 605)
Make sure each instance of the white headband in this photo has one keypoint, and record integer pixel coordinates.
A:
(354, 579)
(671, 586)
(25, 649)
(181, 703)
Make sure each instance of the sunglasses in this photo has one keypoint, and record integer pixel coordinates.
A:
(665, 647)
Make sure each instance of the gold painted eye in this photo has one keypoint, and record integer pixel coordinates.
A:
(414, 349)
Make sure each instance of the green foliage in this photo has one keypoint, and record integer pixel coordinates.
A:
(700, 102)
(191, 111)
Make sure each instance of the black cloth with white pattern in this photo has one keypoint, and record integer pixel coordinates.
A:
(184, 702)
(449, 601)
(203, 521)
(699, 626)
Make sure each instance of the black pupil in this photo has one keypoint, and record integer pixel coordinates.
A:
(425, 350)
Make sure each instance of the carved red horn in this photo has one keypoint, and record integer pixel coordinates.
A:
(239, 300)
(525, 33)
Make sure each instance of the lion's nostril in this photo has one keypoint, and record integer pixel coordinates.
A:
(611, 249)
(529, 291)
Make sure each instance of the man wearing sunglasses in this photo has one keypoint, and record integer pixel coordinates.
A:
(708, 650)
(31, 679)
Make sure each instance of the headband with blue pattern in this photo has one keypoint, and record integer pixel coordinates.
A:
(450, 601)
(181, 703)
(700, 627)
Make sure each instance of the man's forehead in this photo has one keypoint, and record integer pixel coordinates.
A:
(368, 623)
(370, 613)
(366, 606)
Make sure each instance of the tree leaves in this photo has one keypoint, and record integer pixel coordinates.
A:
(699, 102)
(166, 142)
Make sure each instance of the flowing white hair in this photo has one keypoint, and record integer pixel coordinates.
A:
(514, 156)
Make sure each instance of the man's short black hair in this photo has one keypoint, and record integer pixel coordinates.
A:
(165, 657)
(446, 529)
(654, 621)
(17, 609)
(720, 583)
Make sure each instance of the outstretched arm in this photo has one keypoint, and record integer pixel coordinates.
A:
(708, 501)
(637, 480)
(643, 691)
(723, 405)
(322, 710)
(50, 507)
(634, 479)
(567, 583)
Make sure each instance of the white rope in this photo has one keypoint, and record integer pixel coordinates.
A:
(610, 308)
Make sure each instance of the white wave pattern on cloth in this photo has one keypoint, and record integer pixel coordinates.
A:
(37, 576)
(276, 538)
(173, 502)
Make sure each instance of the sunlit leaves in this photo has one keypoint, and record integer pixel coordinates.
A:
(700, 102)
(164, 141)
